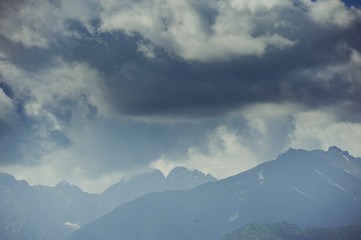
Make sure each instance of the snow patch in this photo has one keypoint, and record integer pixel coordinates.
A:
(300, 192)
(330, 181)
(357, 198)
(72, 225)
(335, 165)
(260, 178)
(336, 185)
(242, 196)
(233, 217)
(319, 172)
(348, 160)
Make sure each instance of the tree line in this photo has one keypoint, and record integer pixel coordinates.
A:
(289, 231)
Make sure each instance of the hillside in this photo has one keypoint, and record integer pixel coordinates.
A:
(309, 188)
(288, 231)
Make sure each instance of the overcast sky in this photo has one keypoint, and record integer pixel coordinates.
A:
(91, 91)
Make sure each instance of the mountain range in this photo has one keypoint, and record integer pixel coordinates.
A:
(42, 212)
(308, 188)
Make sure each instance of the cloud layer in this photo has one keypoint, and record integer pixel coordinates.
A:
(90, 89)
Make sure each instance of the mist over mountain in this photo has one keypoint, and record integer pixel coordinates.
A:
(308, 188)
(43, 212)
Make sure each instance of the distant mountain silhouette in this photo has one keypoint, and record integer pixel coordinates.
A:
(180, 178)
(308, 188)
(43, 213)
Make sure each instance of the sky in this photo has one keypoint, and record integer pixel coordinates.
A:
(94, 91)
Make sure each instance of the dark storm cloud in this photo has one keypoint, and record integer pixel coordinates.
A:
(177, 88)
(159, 84)
(204, 89)
(128, 146)
(169, 86)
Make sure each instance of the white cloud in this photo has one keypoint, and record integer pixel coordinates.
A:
(227, 156)
(56, 169)
(39, 23)
(320, 129)
(146, 49)
(183, 29)
(7, 109)
(265, 131)
(165, 165)
(59, 99)
(73, 82)
(333, 12)
(32, 23)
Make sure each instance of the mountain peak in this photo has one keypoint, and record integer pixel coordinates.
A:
(7, 180)
(291, 153)
(66, 186)
(334, 149)
(179, 170)
(183, 178)
(63, 184)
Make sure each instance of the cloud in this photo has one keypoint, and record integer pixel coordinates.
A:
(7, 109)
(320, 129)
(44, 105)
(90, 88)
(224, 75)
(146, 49)
(333, 13)
(197, 30)
(39, 23)
(263, 131)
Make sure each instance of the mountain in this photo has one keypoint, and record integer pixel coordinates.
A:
(180, 178)
(42, 212)
(124, 191)
(287, 231)
(309, 188)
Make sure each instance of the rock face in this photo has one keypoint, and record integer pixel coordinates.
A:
(308, 188)
(44, 213)
(180, 178)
